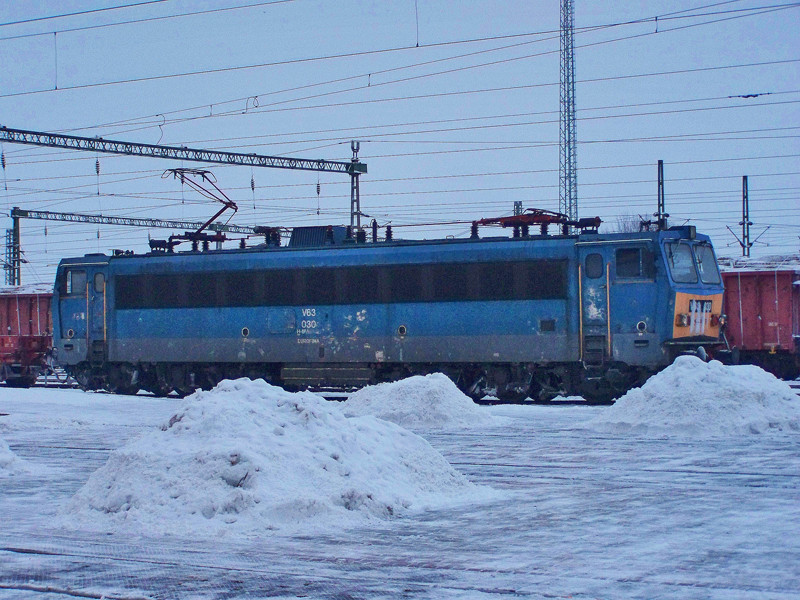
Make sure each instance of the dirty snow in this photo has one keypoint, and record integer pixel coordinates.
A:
(248, 457)
(692, 397)
(420, 403)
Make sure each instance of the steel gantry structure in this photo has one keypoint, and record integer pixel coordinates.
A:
(13, 255)
(568, 139)
(354, 168)
(97, 144)
(46, 215)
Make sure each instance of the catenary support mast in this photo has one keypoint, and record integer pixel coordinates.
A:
(567, 164)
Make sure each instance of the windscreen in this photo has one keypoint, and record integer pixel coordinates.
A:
(706, 263)
(681, 264)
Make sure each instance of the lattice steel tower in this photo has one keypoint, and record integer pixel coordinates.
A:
(567, 164)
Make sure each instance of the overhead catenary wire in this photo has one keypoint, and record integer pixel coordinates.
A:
(753, 12)
(81, 12)
(374, 136)
(129, 21)
(384, 136)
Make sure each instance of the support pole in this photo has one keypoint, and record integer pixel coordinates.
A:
(13, 260)
(568, 139)
(355, 198)
(661, 215)
(745, 222)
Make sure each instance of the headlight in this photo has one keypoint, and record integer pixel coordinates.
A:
(682, 320)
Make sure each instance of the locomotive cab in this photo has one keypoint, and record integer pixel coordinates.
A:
(79, 314)
(696, 296)
(645, 298)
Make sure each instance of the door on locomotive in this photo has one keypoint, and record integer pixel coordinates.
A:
(619, 302)
(72, 307)
(97, 315)
(594, 325)
(637, 299)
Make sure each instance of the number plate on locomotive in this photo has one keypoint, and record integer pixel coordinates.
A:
(700, 306)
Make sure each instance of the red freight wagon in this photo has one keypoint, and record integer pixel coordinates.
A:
(26, 327)
(763, 318)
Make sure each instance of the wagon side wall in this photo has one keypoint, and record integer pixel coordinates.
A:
(762, 310)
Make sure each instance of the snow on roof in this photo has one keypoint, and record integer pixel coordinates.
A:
(249, 457)
(692, 397)
(419, 403)
(786, 262)
(30, 288)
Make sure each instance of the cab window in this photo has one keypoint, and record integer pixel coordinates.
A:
(681, 264)
(634, 263)
(76, 282)
(594, 266)
(706, 263)
(629, 263)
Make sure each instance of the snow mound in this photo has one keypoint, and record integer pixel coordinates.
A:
(696, 398)
(10, 463)
(247, 457)
(419, 403)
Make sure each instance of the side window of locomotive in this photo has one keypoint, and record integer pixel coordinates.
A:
(99, 283)
(361, 285)
(405, 283)
(706, 263)
(497, 281)
(320, 286)
(76, 282)
(594, 266)
(450, 282)
(681, 265)
(629, 262)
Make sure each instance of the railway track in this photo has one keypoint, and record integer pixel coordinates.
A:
(57, 378)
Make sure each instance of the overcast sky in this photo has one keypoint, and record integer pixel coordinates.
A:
(455, 104)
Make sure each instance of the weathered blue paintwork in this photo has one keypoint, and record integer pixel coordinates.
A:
(629, 319)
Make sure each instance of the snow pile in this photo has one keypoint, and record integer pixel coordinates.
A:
(10, 464)
(697, 398)
(419, 403)
(248, 457)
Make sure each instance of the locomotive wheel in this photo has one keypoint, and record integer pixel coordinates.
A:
(512, 393)
(120, 382)
(477, 390)
(597, 391)
(124, 390)
(83, 376)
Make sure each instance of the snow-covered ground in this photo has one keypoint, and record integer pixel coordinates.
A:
(106, 496)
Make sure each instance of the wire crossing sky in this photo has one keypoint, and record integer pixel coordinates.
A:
(455, 106)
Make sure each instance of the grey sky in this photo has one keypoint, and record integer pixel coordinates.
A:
(451, 130)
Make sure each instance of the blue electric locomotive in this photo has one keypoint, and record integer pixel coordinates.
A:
(529, 316)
